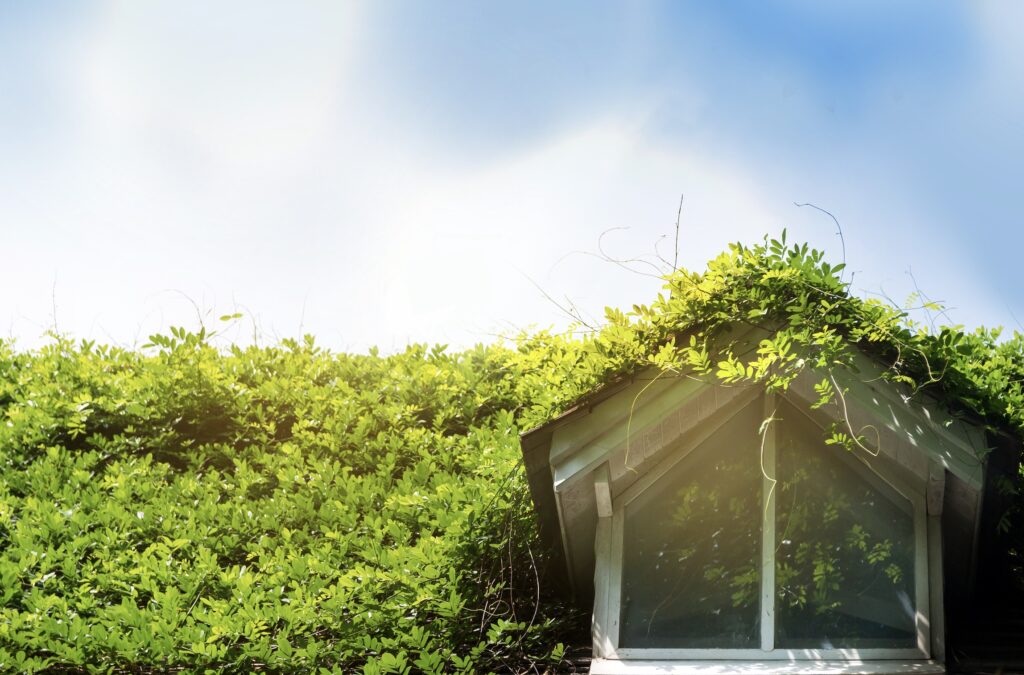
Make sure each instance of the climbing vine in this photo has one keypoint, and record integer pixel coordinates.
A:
(285, 508)
(807, 319)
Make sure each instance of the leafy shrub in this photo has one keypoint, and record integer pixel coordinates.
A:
(265, 508)
(288, 509)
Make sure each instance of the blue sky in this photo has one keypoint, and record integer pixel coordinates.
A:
(379, 173)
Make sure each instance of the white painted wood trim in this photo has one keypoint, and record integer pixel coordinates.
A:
(780, 654)
(711, 667)
(566, 549)
(769, 474)
(612, 412)
(798, 658)
(604, 446)
(744, 655)
(615, 580)
(603, 492)
(599, 620)
(937, 607)
(924, 639)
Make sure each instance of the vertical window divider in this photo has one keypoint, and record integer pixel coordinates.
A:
(769, 483)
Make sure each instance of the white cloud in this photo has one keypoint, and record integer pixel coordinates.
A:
(249, 88)
(454, 250)
(242, 160)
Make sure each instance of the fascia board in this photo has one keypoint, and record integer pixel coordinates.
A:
(584, 441)
(603, 666)
(580, 431)
(587, 447)
(955, 444)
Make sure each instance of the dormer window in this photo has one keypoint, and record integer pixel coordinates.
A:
(713, 528)
(765, 545)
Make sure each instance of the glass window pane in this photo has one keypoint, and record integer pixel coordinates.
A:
(692, 547)
(844, 547)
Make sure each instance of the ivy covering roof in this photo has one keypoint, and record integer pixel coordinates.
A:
(792, 293)
(197, 506)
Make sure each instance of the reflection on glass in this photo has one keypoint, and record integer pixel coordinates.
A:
(692, 547)
(844, 547)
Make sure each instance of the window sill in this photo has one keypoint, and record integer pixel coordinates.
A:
(639, 667)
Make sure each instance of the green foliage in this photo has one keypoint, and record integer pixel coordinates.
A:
(282, 509)
(289, 509)
(798, 303)
(803, 308)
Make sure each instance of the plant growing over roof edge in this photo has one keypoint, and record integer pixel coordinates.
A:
(286, 508)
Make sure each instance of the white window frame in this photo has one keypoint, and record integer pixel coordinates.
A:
(608, 573)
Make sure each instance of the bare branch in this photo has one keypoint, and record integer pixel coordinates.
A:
(657, 253)
(53, 305)
(839, 231)
(568, 312)
(679, 216)
(625, 262)
(1015, 319)
(928, 302)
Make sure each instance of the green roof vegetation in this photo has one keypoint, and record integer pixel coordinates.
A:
(285, 508)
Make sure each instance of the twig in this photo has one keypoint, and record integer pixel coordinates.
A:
(942, 311)
(53, 305)
(764, 472)
(839, 231)
(846, 418)
(574, 316)
(679, 216)
(624, 262)
(632, 408)
(1015, 319)
(195, 306)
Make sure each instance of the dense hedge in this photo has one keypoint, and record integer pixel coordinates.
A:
(289, 509)
(280, 508)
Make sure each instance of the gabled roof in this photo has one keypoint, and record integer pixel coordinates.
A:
(627, 424)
